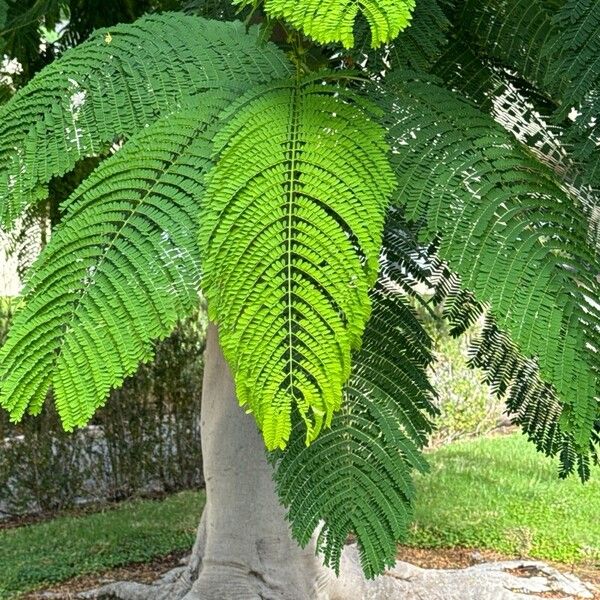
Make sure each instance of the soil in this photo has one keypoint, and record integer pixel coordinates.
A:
(140, 572)
(446, 558)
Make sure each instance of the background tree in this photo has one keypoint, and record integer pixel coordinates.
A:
(305, 200)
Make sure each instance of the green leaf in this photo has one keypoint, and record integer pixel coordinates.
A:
(516, 239)
(575, 52)
(575, 75)
(290, 236)
(120, 272)
(513, 32)
(531, 403)
(356, 477)
(333, 20)
(114, 85)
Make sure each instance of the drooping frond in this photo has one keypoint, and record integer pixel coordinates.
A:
(415, 268)
(115, 84)
(575, 51)
(575, 77)
(334, 20)
(513, 32)
(531, 403)
(531, 119)
(514, 237)
(421, 44)
(118, 274)
(356, 477)
(290, 246)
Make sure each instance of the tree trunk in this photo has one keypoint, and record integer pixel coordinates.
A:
(247, 552)
(244, 550)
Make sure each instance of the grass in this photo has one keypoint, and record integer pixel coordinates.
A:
(492, 493)
(500, 494)
(67, 546)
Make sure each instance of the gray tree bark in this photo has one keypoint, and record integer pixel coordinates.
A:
(248, 553)
(244, 550)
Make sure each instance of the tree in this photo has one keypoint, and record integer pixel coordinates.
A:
(304, 185)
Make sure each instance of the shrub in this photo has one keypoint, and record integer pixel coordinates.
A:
(145, 439)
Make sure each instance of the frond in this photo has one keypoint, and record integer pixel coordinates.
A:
(334, 20)
(514, 237)
(531, 119)
(417, 47)
(115, 84)
(356, 476)
(119, 273)
(420, 45)
(287, 277)
(575, 52)
(531, 403)
(575, 75)
(555, 47)
(515, 33)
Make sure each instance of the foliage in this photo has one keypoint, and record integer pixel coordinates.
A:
(290, 285)
(99, 92)
(146, 438)
(467, 406)
(541, 291)
(72, 545)
(360, 482)
(279, 166)
(385, 418)
(334, 21)
(61, 24)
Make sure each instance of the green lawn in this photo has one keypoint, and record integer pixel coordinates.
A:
(499, 493)
(67, 546)
(495, 493)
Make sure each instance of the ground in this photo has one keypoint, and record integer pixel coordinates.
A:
(485, 499)
(446, 558)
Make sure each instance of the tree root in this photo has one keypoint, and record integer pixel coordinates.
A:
(507, 580)
(173, 585)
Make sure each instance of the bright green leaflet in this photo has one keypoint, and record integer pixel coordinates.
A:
(333, 20)
(287, 277)
(119, 274)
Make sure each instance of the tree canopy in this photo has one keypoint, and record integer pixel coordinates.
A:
(304, 169)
